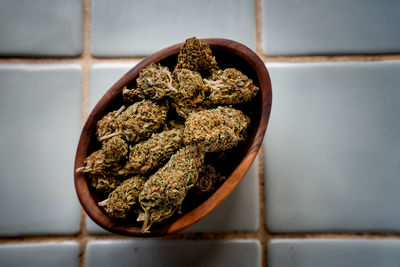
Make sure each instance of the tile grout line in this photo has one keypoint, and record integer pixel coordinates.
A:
(258, 20)
(86, 63)
(86, 60)
(332, 58)
(268, 59)
(262, 234)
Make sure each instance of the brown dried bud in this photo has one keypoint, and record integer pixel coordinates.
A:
(140, 120)
(208, 180)
(154, 82)
(165, 190)
(104, 184)
(190, 92)
(120, 202)
(115, 150)
(230, 87)
(95, 163)
(152, 153)
(108, 124)
(196, 55)
(217, 129)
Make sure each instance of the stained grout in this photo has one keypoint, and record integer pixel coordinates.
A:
(82, 238)
(86, 60)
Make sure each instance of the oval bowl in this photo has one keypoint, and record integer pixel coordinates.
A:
(228, 53)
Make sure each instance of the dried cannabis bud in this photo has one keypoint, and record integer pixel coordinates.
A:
(190, 93)
(120, 202)
(108, 124)
(104, 184)
(174, 124)
(208, 180)
(115, 149)
(196, 55)
(217, 129)
(230, 87)
(138, 139)
(154, 82)
(165, 190)
(150, 154)
(140, 120)
(106, 159)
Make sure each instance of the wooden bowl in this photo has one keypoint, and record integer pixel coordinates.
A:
(228, 54)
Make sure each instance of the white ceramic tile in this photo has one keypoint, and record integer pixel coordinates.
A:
(40, 114)
(47, 254)
(103, 76)
(333, 253)
(332, 160)
(104, 253)
(94, 229)
(239, 212)
(135, 28)
(330, 27)
(41, 27)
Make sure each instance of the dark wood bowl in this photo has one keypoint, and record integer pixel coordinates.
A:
(228, 54)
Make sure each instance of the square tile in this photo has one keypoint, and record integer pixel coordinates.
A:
(332, 148)
(40, 114)
(103, 76)
(330, 27)
(333, 252)
(46, 254)
(102, 253)
(41, 27)
(238, 212)
(137, 28)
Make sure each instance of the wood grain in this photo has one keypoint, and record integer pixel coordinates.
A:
(228, 54)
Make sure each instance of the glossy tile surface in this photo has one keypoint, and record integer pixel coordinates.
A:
(330, 27)
(332, 160)
(47, 254)
(239, 212)
(41, 27)
(102, 77)
(136, 28)
(333, 253)
(40, 114)
(173, 253)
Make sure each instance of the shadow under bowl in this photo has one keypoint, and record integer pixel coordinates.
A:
(228, 53)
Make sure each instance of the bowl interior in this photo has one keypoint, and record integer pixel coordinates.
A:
(233, 164)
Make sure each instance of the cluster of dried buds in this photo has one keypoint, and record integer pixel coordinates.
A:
(154, 148)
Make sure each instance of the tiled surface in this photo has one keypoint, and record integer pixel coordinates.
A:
(173, 253)
(137, 28)
(40, 114)
(102, 77)
(41, 27)
(44, 254)
(330, 27)
(333, 253)
(239, 212)
(332, 160)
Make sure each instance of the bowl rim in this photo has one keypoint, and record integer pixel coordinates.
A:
(81, 185)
